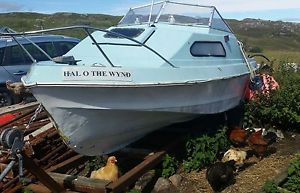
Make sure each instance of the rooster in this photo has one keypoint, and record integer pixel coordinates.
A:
(238, 136)
(109, 172)
(220, 174)
(260, 144)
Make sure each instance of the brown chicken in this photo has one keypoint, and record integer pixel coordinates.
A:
(109, 172)
(238, 136)
(258, 143)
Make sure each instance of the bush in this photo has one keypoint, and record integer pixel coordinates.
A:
(280, 108)
(293, 181)
(134, 191)
(270, 187)
(169, 166)
(256, 50)
(202, 151)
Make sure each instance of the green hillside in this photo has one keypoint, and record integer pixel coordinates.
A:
(35, 21)
(270, 35)
(280, 40)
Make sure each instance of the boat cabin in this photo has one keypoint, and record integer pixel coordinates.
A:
(179, 35)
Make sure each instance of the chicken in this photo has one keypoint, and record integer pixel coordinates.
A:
(16, 87)
(220, 174)
(237, 155)
(109, 172)
(259, 143)
(238, 136)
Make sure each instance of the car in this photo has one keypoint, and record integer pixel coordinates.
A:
(15, 63)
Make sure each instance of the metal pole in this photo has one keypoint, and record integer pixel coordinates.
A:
(152, 4)
(7, 169)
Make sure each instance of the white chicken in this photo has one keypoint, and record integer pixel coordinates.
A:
(237, 155)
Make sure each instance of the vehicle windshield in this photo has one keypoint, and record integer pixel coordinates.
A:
(176, 13)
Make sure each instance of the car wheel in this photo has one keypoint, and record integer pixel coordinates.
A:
(6, 98)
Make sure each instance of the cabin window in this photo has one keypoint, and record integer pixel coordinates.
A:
(129, 32)
(202, 49)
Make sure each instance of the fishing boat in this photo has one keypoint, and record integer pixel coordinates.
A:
(164, 63)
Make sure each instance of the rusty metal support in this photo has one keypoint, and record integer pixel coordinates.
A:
(73, 161)
(54, 152)
(135, 173)
(42, 175)
(23, 115)
(65, 156)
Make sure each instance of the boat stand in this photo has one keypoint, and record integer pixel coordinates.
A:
(52, 167)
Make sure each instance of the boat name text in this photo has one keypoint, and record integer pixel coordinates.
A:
(71, 73)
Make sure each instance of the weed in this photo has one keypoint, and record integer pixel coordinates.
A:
(293, 181)
(202, 151)
(270, 187)
(92, 165)
(27, 190)
(169, 166)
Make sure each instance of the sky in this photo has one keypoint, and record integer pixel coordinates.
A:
(286, 10)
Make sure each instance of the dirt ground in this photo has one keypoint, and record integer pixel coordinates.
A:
(253, 177)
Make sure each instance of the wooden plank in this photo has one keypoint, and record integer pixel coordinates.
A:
(79, 183)
(39, 131)
(17, 107)
(69, 163)
(135, 173)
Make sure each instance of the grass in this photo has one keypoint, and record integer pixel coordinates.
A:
(280, 57)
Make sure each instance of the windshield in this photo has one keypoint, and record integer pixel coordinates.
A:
(176, 13)
(141, 15)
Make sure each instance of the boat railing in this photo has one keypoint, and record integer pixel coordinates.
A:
(87, 29)
(176, 13)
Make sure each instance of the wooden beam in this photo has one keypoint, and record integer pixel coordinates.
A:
(79, 183)
(131, 176)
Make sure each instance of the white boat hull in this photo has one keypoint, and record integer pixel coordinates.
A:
(97, 120)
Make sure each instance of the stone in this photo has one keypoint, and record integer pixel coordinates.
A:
(144, 180)
(162, 184)
(176, 180)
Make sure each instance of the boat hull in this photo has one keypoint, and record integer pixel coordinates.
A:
(98, 120)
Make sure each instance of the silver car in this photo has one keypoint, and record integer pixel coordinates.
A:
(14, 62)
